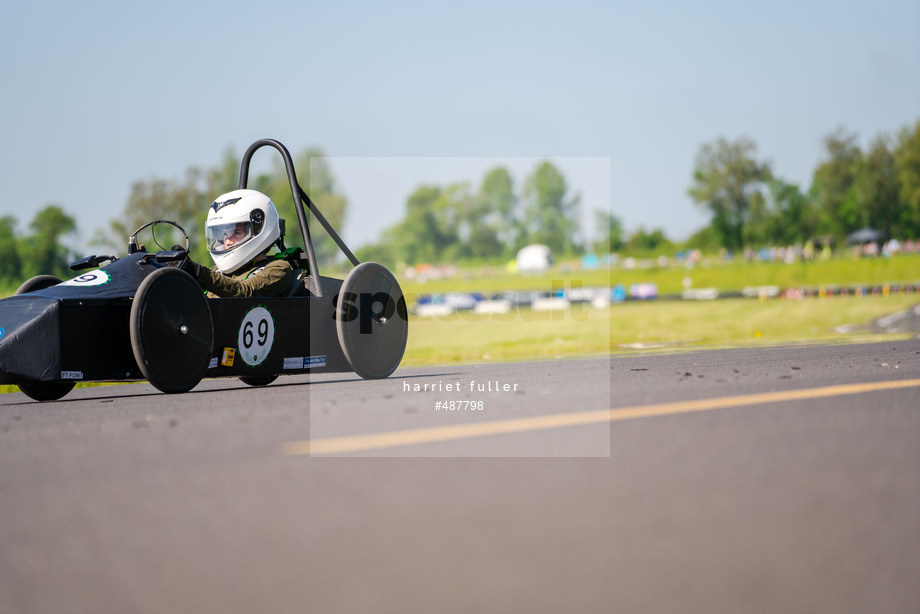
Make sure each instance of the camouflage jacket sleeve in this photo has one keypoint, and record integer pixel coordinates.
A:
(269, 278)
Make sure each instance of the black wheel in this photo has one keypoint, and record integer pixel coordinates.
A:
(371, 321)
(46, 391)
(171, 330)
(258, 380)
(38, 283)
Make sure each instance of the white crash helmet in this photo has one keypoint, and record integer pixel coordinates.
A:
(247, 216)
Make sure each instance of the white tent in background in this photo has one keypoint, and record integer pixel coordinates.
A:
(865, 235)
(534, 258)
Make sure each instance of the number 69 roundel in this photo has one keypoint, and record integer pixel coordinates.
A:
(256, 335)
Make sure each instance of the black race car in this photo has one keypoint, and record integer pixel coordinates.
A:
(142, 317)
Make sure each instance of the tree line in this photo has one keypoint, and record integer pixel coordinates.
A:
(749, 205)
(186, 201)
(491, 221)
(39, 250)
(44, 248)
(449, 223)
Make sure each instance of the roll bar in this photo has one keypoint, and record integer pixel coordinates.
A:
(300, 197)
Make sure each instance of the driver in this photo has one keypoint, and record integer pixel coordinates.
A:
(242, 226)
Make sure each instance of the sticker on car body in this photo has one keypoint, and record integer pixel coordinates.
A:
(293, 362)
(314, 362)
(256, 335)
(93, 278)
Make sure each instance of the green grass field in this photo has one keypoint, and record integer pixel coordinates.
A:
(660, 324)
(725, 276)
(632, 326)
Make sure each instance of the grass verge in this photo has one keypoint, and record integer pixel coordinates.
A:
(630, 327)
(725, 276)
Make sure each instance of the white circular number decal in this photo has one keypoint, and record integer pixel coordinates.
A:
(94, 278)
(257, 332)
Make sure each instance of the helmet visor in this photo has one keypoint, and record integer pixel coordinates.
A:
(222, 238)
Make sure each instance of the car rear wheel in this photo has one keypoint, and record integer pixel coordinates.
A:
(39, 282)
(171, 330)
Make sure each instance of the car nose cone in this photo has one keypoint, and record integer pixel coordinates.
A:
(30, 345)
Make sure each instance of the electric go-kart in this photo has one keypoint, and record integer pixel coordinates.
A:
(142, 317)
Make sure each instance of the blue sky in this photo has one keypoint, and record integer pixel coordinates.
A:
(97, 95)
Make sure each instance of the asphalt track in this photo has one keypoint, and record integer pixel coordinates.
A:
(769, 480)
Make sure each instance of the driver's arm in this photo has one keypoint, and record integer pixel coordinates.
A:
(270, 279)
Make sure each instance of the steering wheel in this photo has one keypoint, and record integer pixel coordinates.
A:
(164, 254)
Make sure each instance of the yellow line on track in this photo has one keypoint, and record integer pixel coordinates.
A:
(374, 441)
